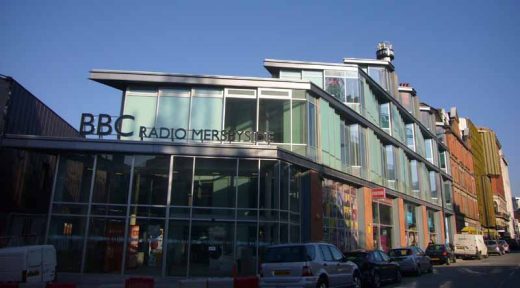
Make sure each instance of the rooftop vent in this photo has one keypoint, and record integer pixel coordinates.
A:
(385, 51)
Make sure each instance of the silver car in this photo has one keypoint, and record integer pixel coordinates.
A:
(504, 245)
(307, 265)
(411, 259)
(494, 247)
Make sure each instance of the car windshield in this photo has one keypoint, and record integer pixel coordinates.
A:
(355, 256)
(432, 248)
(300, 253)
(399, 252)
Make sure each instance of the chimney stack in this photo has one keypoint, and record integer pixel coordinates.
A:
(385, 51)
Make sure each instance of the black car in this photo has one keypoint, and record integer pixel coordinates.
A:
(441, 253)
(375, 266)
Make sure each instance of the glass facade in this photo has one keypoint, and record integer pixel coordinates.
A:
(173, 215)
(382, 222)
(412, 234)
(340, 215)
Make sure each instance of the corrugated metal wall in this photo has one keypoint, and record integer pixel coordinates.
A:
(27, 115)
(491, 152)
(482, 182)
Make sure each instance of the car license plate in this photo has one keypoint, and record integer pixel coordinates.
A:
(460, 247)
(435, 259)
(282, 272)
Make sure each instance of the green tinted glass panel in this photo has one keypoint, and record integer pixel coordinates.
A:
(275, 116)
(206, 113)
(143, 108)
(173, 112)
(299, 122)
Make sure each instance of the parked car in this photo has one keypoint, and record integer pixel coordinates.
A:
(307, 265)
(504, 245)
(470, 245)
(514, 244)
(376, 267)
(441, 253)
(494, 247)
(411, 259)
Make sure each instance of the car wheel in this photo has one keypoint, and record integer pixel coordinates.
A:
(430, 269)
(398, 276)
(376, 280)
(322, 283)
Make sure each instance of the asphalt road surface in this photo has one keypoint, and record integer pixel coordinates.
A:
(495, 272)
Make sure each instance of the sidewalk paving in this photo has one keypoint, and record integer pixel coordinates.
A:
(118, 281)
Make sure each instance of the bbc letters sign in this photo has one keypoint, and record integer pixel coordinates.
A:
(107, 125)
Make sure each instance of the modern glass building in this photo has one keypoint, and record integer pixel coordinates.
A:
(198, 174)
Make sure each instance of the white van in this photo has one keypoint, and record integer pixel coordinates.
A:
(470, 245)
(28, 264)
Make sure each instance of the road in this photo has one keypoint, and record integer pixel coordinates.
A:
(495, 271)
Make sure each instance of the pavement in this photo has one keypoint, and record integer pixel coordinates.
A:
(494, 271)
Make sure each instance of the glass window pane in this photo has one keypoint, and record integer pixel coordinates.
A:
(66, 234)
(290, 74)
(240, 116)
(379, 75)
(206, 113)
(177, 261)
(352, 90)
(211, 250)
(390, 162)
(429, 149)
(336, 87)
(181, 181)
(173, 112)
(207, 92)
(433, 185)
(145, 247)
(112, 178)
(275, 116)
(269, 190)
(105, 245)
(214, 185)
(410, 139)
(385, 214)
(74, 178)
(315, 77)
(355, 145)
(384, 116)
(284, 186)
(299, 121)
(415, 175)
(150, 185)
(295, 188)
(312, 125)
(247, 182)
(143, 108)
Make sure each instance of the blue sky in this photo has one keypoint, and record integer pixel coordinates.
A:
(454, 53)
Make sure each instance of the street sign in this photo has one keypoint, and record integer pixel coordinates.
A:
(378, 193)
